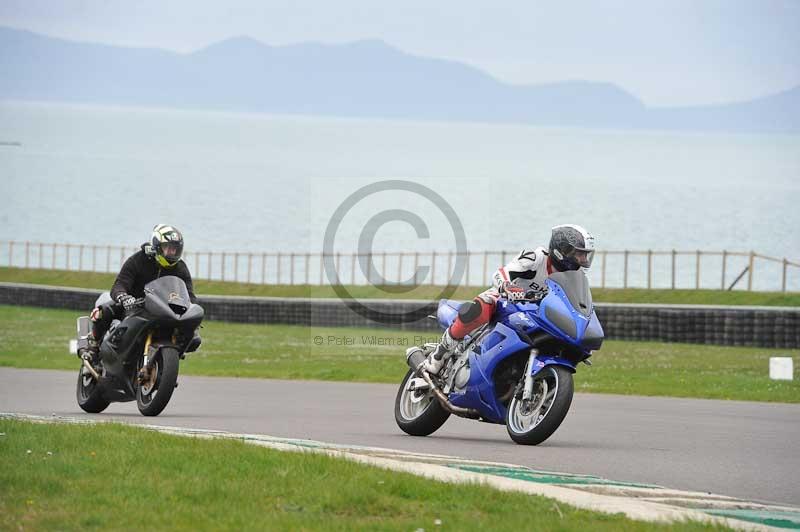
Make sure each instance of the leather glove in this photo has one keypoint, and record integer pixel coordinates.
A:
(512, 291)
(534, 295)
(127, 301)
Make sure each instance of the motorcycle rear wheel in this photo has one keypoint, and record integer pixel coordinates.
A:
(152, 399)
(418, 414)
(534, 422)
(88, 393)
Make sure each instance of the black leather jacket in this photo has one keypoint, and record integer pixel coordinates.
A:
(140, 269)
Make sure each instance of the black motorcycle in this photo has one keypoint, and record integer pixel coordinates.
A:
(139, 355)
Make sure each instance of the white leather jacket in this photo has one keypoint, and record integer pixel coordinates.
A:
(528, 270)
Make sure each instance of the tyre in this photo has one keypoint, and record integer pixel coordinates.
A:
(88, 393)
(532, 422)
(418, 413)
(152, 396)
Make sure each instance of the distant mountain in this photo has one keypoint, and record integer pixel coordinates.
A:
(365, 79)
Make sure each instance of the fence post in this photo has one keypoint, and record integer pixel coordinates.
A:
(40, 256)
(67, 246)
(53, 257)
(400, 267)
(249, 266)
(27, 252)
(108, 258)
(308, 265)
(783, 283)
(449, 272)
(603, 277)
(10, 253)
(416, 263)
(80, 258)
(263, 268)
(697, 270)
(197, 264)
(383, 268)
(750, 271)
(210, 255)
(649, 269)
(291, 268)
(672, 269)
(338, 264)
(223, 265)
(433, 267)
(236, 267)
(94, 258)
(724, 267)
(466, 280)
(625, 271)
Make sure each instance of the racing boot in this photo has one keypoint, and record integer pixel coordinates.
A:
(92, 350)
(442, 352)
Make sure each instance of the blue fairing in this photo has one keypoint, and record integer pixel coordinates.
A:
(513, 324)
(494, 348)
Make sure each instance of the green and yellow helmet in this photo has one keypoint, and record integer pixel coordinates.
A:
(167, 245)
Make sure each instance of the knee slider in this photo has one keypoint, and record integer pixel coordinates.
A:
(470, 311)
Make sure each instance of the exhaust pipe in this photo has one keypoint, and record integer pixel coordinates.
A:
(91, 370)
(445, 402)
(415, 357)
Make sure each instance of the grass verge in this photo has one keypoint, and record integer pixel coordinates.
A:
(78, 477)
(38, 338)
(103, 281)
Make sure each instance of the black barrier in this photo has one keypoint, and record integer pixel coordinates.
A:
(773, 327)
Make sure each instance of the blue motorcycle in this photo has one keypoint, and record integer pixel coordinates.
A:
(516, 370)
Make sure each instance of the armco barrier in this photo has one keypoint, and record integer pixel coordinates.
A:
(772, 327)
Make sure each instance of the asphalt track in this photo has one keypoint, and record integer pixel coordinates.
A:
(742, 449)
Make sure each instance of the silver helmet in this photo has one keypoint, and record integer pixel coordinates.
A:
(571, 247)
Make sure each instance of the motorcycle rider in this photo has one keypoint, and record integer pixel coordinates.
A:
(160, 256)
(571, 248)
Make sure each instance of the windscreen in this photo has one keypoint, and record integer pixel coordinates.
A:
(170, 289)
(576, 287)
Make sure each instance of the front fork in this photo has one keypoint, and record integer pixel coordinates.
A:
(527, 389)
(147, 343)
(147, 368)
(144, 373)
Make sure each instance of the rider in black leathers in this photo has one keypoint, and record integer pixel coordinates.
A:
(159, 257)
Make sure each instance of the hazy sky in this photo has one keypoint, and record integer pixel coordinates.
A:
(673, 52)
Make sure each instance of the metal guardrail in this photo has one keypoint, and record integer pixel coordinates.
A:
(672, 269)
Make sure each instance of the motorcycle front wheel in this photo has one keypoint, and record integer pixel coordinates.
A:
(153, 395)
(532, 422)
(418, 412)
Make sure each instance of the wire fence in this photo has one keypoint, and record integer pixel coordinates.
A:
(671, 269)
